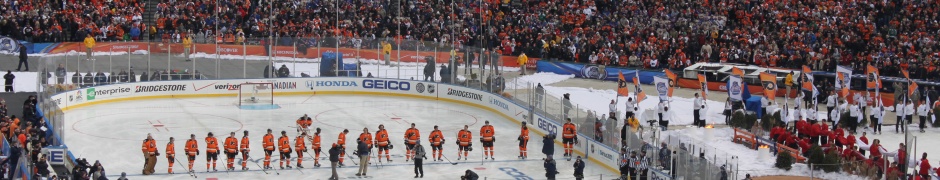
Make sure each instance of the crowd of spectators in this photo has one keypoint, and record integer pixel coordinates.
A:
(891, 35)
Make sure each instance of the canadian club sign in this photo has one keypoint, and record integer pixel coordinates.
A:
(464, 94)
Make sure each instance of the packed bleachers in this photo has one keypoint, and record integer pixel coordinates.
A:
(653, 34)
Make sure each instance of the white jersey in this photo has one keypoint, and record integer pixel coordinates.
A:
(697, 103)
(922, 110)
(630, 106)
(909, 109)
(831, 101)
(835, 116)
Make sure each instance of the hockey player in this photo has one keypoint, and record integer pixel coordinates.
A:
(283, 144)
(245, 149)
(301, 147)
(412, 135)
(268, 143)
(231, 150)
(437, 142)
(192, 150)
(463, 141)
(170, 155)
(381, 140)
(341, 141)
(303, 123)
(212, 151)
(523, 141)
(150, 151)
(315, 145)
(569, 137)
(366, 137)
(487, 139)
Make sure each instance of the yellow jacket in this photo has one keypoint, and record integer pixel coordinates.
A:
(187, 42)
(89, 42)
(789, 80)
(387, 48)
(522, 60)
(633, 123)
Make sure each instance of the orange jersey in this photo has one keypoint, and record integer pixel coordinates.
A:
(192, 147)
(170, 149)
(244, 146)
(487, 132)
(149, 146)
(381, 138)
(231, 145)
(436, 137)
(284, 144)
(367, 138)
(302, 123)
(268, 142)
(341, 140)
(212, 145)
(412, 135)
(569, 131)
(464, 137)
(315, 142)
(524, 134)
(299, 143)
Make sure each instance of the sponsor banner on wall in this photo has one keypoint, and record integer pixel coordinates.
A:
(592, 71)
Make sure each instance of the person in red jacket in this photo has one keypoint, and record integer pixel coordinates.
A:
(876, 148)
(902, 156)
(924, 167)
(864, 140)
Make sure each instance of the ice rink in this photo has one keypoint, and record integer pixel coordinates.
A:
(113, 132)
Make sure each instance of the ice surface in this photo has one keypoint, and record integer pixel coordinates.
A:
(112, 133)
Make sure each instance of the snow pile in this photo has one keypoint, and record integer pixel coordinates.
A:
(530, 81)
(721, 148)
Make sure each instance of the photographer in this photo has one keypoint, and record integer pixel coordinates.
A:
(550, 169)
(548, 145)
(578, 169)
(469, 175)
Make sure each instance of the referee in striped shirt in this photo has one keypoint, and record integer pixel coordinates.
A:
(642, 163)
(624, 163)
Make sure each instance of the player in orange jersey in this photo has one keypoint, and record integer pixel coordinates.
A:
(212, 151)
(268, 143)
(231, 149)
(192, 150)
(283, 144)
(437, 143)
(245, 149)
(301, 147)
(315, 145)
(569, 137)
(303, 123)
(381, 140)
(463, 141)
(523, 141)
(170, 155)
(412, 136)
(341, 141)
(149, 149)
(487, 138)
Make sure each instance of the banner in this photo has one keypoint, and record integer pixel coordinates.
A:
(911, 88)
(662, 87)
(640, 95)
(593, 71)
(906, 74)
(704, 83)
(843, 79)
(873, 79)
(770, 85)
(807, 82)
(622, 85)
(672, 81)
(735, 88)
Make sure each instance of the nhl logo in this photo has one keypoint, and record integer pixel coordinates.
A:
(420, 87)
(592, 72)
(431, 89)
(661, 87)
(735, 88)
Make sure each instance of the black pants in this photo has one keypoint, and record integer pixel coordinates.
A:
(9, 88)
(696, 119)
(22, 63)
(923, 122)
(910, 119)
(829, 112)
(897, 126)
(853, 123)
(876, 127)
(419, 167)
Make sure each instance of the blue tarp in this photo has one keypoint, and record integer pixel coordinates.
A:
(591, 71)
(753, 104)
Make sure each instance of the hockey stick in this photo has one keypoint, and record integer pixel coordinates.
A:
(483, 154)
(448, 160)
(350, 157)
(298, 164)
(376, 159)
(275, 169)
(191, 173)
(256, 163)
(315, 159)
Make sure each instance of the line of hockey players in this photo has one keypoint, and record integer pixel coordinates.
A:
(232, 146)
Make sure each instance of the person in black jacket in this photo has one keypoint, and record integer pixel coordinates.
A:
(469, 175)
(88, 80)
(419, 158)
(43, 167)
(548, 145)
(13, 157)
(8, 81)
(579, 169)
(283, 71)
(77, 78)
(445, 74)
(334, 160)
(132, 77)
(550, 169)
(23, 58)
(60, 74)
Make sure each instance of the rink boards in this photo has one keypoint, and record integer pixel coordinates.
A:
(592, 150)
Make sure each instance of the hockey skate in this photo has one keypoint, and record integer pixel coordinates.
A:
(300, 166)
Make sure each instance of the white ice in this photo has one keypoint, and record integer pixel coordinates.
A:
(113, 132)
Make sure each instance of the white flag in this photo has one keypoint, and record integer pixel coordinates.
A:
(847, 73)
(735, 87)
(662, 87)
